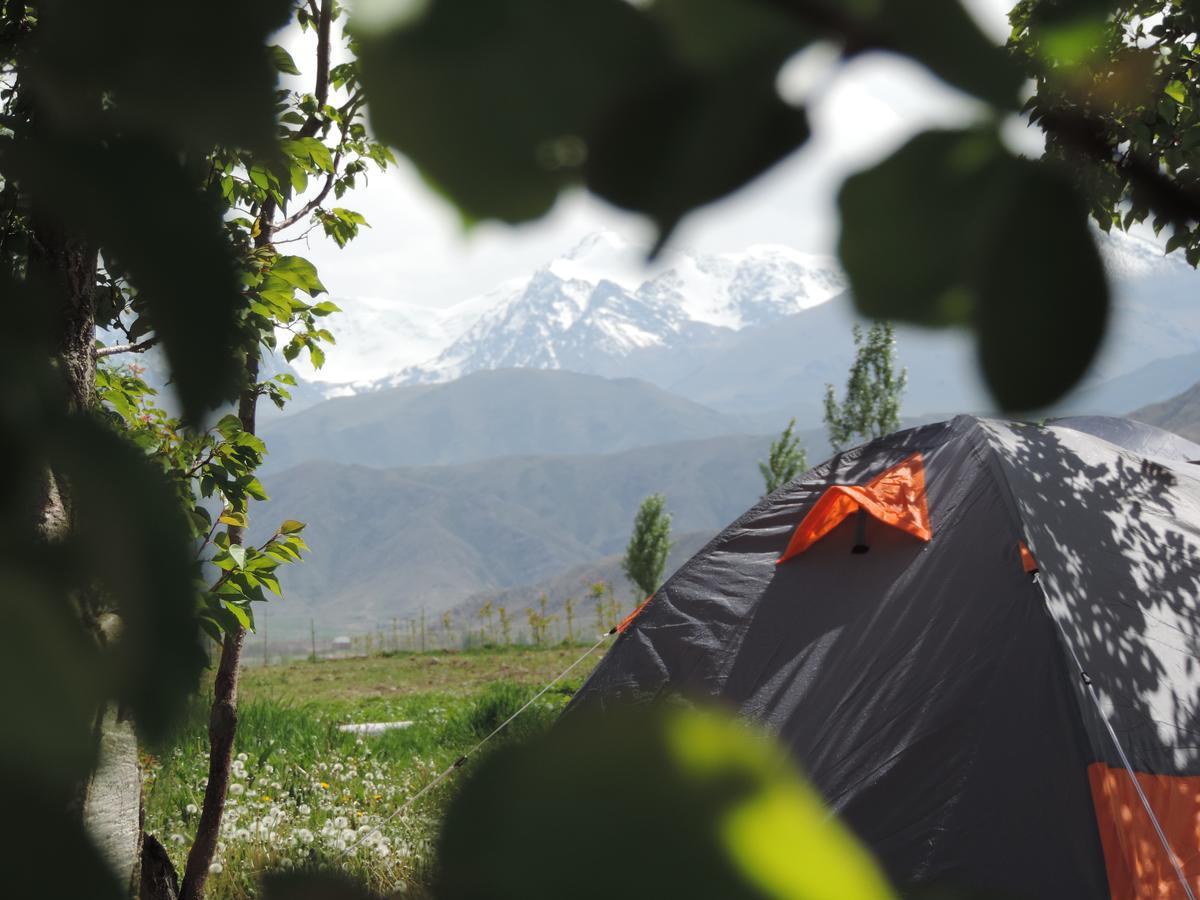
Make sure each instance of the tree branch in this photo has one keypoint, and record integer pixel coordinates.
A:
(315, 201)
(321, 88)
(349, 111)
(137, 347)
(1088, 136)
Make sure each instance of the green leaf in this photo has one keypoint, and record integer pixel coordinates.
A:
(238, 555)
(132, 538)
(228, 426)
(299, 178)
(240, 614)
(1177, 91)
(312, 886)
(716, 34)
(942, 36)
(141, 207)
(291, 526)
(648, 161)
(192, 80)
(260, 177)
(706, 790)
(910, 227)
(299, 273)
(494, 102)
(271, 583)
(953, 230)
(255, 489)
(282, 60)
(1050, 309)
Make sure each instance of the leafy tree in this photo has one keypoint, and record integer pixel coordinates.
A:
(150, 207)
(871, 407)
(505, 625)
(597, 591)
(539, 621)
(785, 461)
(649, 544)
(1118, 95)
(485, 616)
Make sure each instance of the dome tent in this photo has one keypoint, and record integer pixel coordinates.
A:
(1002, 692)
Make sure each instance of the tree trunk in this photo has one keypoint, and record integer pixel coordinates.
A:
(222, 720)
(66, 267)
(109, 802)
(222, 728)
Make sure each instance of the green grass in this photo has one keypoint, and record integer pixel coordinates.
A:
(304, 792)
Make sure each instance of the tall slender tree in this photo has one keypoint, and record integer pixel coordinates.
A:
(871, 407)
(785, 460)
(649, 544)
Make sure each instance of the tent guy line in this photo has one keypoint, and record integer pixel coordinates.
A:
(458, 763)
(1125, 764)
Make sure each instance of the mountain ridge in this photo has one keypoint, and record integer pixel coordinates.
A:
(495, 413)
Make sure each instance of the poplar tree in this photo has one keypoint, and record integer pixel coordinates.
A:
(874, 388)
(646, 555)
(785, 461)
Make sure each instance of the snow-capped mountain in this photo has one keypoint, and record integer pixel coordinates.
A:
(598, 304)
(745, 332)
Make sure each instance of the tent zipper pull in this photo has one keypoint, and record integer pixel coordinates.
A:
(860, 534)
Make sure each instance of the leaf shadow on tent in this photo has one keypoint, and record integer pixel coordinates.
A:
(1118, 539)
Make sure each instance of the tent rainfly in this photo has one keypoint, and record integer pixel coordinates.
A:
(981, 641)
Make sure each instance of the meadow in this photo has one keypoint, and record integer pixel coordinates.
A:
(306, 795)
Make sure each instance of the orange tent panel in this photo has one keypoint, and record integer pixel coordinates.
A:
(1137, 863)
(895, 497)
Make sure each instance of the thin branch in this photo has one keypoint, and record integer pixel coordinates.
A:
(351, 110)
(315, 201)
(138, 347)
(321, 88)
(300, 237)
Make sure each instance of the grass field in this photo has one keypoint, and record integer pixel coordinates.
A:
(305, 794)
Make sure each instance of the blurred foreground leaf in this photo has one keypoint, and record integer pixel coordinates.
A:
(954, 230)
(162, 69)
(504, 103)
(148, 216)
(131, 536)
(492, 101)
(647, 803)
(312, 886)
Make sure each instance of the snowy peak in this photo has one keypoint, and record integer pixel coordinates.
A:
(602, 301)
(756, 286)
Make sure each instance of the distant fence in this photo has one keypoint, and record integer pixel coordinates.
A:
(300, 637)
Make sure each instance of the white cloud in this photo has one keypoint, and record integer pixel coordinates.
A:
(417, 254)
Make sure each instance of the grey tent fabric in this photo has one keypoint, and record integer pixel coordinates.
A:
(931, 690)
(1144, 440)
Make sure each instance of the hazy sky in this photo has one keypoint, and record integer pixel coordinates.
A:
(416, 252)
